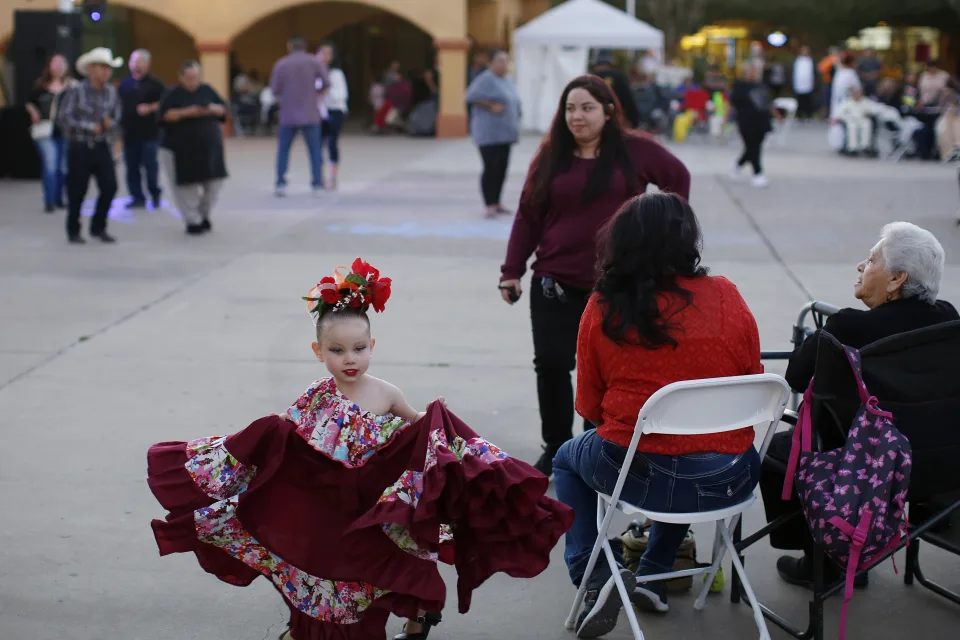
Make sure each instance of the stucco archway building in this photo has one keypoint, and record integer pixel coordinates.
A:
(256, 29)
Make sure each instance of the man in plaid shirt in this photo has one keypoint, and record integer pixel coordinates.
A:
(89, 116)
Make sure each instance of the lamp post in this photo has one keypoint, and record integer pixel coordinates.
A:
(631, 8)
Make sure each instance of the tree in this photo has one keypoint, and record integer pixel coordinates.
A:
(676, 18)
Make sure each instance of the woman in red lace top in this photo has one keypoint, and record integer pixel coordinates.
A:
(656, 318)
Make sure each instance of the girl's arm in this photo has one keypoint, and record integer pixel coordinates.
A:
(402, 409)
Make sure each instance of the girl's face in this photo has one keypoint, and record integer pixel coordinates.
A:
(585, 115)
(58, 66)
(345, 347)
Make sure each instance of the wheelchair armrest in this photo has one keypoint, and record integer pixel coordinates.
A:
(790, 417)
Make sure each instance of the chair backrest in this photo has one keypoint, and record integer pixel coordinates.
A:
(790, 105)
(715, 405)
(888, 114)
(913, 375)
(710, 405)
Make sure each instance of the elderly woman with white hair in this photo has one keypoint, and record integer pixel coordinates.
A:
(899, 283)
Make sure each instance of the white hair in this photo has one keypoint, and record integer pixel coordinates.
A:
(906, 248)
(142, 53)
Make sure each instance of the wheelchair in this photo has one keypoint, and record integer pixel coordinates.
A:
(835, 411)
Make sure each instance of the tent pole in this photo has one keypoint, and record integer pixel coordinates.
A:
(631, 8)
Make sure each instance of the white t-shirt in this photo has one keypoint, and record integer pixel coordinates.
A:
(804, 75)
(338, 95)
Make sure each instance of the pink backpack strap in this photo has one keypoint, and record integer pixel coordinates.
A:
(802, 437)
(858, 537)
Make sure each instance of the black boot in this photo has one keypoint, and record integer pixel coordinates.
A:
(428, 620)
(799, 571)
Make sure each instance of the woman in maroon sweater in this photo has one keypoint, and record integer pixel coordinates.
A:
(587, 167)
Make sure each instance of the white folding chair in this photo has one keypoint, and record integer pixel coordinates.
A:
(898, 132)
(693, 407)
(789, 108)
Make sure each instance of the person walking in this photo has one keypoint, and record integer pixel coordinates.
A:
(47, 136)
(494, 126)
(804, 83)
(140, 94)
(88, 116)
(751, 99)
(335, 106)
(587, 167)
(192, 153)
(294, 84)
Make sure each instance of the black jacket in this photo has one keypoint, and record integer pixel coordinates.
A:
(133, 92)
(856, 328)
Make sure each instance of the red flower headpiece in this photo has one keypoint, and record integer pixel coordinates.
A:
(362, 288)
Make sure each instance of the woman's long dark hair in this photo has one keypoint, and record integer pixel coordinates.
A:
(47, 74)
(653, 240)
(556, 153)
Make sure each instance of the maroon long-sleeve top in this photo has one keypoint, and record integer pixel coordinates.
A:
(565, 235)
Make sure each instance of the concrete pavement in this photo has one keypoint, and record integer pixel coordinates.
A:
(105, 350)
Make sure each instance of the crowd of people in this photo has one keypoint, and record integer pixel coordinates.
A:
(75, 126)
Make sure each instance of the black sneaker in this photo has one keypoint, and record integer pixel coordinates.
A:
(799, 571)
(195, 229)
(103, 237)
(650, 597)
(77, 239)
(601, 608)
(544, 463)
(206, 225)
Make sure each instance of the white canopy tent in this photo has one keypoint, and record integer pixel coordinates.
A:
(553, 48)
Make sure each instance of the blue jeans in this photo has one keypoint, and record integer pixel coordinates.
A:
(311, 135)
(137, 154)
(53, 153)
(684, 484)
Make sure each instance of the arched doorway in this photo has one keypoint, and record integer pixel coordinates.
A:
(368, 39)
(124, 29)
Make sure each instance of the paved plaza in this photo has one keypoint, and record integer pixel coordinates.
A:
(105, 350)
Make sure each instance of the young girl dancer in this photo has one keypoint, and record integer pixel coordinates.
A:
(347, 501)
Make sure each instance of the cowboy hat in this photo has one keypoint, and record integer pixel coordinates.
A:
(100, 55)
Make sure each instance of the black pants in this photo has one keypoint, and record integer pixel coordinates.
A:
(84, 161)
(496, 159)
(752, 147)
(806, 105)
(793, 536)
(555, 328)
(330, 129)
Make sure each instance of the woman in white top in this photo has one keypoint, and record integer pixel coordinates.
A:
(844, 83)
(333, 107)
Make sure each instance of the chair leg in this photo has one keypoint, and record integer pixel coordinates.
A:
(738, 568)
(622, 589)
(913, 559)
(604, 516)
(718, 552)
(735, 584)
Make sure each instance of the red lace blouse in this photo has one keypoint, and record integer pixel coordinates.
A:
(719, 338)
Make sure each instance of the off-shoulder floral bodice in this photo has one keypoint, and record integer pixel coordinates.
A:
(337, 427)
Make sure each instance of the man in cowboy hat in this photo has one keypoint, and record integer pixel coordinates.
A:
(89, 116)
